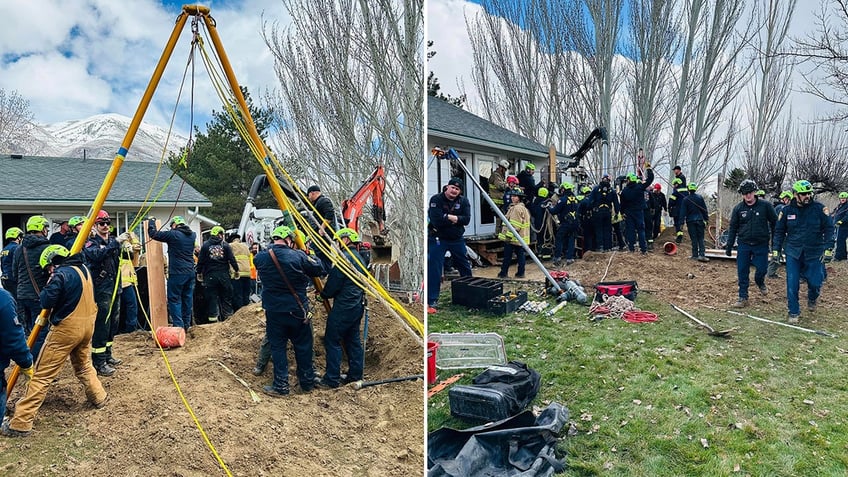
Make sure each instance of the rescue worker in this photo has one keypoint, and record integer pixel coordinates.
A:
(345, 318)
(325, 219)
(254, 278)
(60, 237)
(241, 277)
(751, 223)
(840, 216)
(784, 199)
(584, 215)
(70, 294)
(129, 284)
(511, 186)
(13, 239)
(30, 277)
(566, 211)
(605, 206)
(519, 217)
(213, 264)
(498, 187)
(805, 232)
(678, 192)
(543, 225)
(102, 255)
(13, 345)
(527, 182)
(678, 174)
(632, 199)
(657, 206)
(448, 214)
(75, 223)
(181, 275)
(285, 273)
(694, 213)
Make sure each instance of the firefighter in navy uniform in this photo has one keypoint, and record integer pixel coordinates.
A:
(213, 264)
(70, 294)
(784, 199)
(633, 207)
(678, 192)
(102, 255)
(693, 211)
(566, 211)
(584, 214)
(345, 318)
(448, 214)
(605, 206)
(13, 346)
(30, 277)
(14, 236)
(658, 205)
(840, 217)
(285, 273)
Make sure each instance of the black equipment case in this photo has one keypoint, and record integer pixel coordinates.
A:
(497, 393)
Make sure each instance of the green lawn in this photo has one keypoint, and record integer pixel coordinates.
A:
(666, 399)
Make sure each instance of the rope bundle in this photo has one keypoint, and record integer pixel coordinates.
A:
(621, 308)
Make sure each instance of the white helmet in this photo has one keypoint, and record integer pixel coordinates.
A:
(504, 163)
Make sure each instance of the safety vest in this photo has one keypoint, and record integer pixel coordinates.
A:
(128, 275)
(252, 268)
(242, 254)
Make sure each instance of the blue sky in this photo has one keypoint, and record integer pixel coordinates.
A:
(72, 59)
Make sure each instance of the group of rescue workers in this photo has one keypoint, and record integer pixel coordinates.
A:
(82, 294)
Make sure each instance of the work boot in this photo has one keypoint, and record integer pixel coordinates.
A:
(793, 318)
(9, 432)
(569, 261)
(114, 361)
(101, 404)
(274, 392)
(258, 370)
(764, 289)
(811, 305)
(322, 383)
(703, 259)
(519, 275)
(103, 369)
(740, 303)
(557, 262)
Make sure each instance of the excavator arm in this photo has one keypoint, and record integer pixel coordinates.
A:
(372, 189)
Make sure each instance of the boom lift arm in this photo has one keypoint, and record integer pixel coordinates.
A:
(373, 189)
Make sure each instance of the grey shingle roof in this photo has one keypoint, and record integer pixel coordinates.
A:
(445, 118)
(63, 179)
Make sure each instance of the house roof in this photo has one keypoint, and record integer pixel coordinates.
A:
(72, 181)
(447, 121)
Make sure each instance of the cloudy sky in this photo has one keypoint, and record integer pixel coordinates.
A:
(75, 58)
(452, 64)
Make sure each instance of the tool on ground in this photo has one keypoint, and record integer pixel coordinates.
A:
(818, 332)
(253, 395)
(712, 332)
(443, 384)
(555, 309)
(365, 384)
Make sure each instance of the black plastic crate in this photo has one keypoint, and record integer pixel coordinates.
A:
(506, 302)
(474, 292)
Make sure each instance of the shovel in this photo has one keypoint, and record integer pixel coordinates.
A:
(712, 332)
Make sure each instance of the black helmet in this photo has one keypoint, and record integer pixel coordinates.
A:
(747, 186)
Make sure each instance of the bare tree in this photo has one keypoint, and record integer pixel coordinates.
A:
(712, 74)
(826, 48)
(16, 123)
(819, 157)
(351, 97)
(770, 169)
(771, 86)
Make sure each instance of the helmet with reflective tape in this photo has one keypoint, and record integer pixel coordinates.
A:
(802, 187)
(786, 195)
(760, 193)
(517, 192)
(632, 177)
(747, 186)
(512, 180)
(50, 253)
(76, 220)
(13, 233)
(692, 186)
(178, 220)
(37, 223)
(542, 192)
(843, 195)
(217, 230)
(586, 189)
(567, 186)
(282, 232)
(347, 232)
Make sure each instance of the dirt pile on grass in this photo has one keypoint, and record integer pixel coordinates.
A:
(147, 430)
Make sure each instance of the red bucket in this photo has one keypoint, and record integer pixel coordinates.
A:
(170, 336)
(432, 347)
(670, 248)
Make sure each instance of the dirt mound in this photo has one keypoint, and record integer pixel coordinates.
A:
(146, 429)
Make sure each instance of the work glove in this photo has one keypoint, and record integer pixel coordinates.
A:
(234, 274)
(728, 251)
(123, 237)
(151, 219)
(775, 255)
(827, 256)
(838, 223)
(28, 372)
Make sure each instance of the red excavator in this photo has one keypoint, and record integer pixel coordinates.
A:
(372, 189)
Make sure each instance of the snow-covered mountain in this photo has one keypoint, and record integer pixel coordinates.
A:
(100, 136)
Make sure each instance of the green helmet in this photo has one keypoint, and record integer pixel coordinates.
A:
(347, 232)
(530, 166)
(76, 220)
(788, 195)
(760, 193)
(282, 232)
(178, 220)
(37, 223)
(50, 253)
(542, 192)
(586, 189)
(216, 230)
(567, 186)
(305, 238)
(800, 187)
(843, 195)
(632, 177)
(692, 186)
(13, 233)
